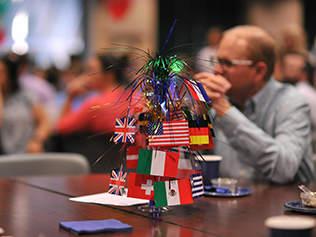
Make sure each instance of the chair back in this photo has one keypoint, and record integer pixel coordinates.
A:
(43, 164)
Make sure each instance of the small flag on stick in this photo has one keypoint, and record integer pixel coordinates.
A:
(175, 114)
(197, 91)
(117, 182)
(199, 132)
(197, 185)
(173, 192)
(160, 163)
(132, 157)
(125, 130)
(168, 133)
(142, 186)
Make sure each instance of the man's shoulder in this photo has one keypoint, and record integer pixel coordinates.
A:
(286, 90)
(277, 95)
(284, 94)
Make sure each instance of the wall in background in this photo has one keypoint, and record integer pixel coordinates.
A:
(123, 22)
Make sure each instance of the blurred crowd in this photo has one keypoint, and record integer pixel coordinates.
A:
(59, 111)
(42, 109)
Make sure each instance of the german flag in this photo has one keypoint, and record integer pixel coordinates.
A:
(198, 132)
(210, 125)
(210, 144)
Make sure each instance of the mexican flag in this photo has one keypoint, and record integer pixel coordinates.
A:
(159, 163)
(173, 192)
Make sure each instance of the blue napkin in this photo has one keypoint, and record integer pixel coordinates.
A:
(97, 226)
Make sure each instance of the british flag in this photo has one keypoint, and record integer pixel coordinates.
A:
(117, 182)
(125, 130)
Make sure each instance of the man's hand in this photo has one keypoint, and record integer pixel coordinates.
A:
(216, 87)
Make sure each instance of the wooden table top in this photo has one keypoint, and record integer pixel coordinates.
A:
(30, 212)
(217, 216)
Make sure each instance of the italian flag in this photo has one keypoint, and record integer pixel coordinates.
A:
(159, 163)
(173, 192)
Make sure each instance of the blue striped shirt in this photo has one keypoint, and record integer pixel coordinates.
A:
(270, 139)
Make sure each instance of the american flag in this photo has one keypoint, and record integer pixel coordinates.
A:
(197, 185)
(125, 130)
(117, 182)
(175, 114)
(168, 133)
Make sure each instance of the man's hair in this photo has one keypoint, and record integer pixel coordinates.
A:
(260, 45)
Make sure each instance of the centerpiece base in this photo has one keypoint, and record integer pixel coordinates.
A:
(153, 209)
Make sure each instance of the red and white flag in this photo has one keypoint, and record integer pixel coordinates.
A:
(141, 186)
(185, 169)
(132, 157)
(168, 133)
(176, 114)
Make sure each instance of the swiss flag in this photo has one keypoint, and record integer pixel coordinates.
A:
(142, 186)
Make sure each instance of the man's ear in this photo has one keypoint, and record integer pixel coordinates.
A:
(260, 71)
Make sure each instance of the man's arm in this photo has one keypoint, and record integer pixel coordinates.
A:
(276, 151)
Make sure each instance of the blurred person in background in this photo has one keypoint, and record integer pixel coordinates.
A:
(297, 71)
(24, 125)
(37, 85)
(293, 39)
(70, 78)
(51, 77)
(97, 77)
(75, 69)
(208, 53)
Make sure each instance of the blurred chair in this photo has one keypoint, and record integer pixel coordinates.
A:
(93, 148)
(51, 163)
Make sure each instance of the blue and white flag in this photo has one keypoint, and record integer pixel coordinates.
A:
(197, 185)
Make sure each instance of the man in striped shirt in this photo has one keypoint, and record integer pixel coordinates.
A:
(263, 126)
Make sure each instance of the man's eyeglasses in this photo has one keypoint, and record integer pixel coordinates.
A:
(228, 64)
